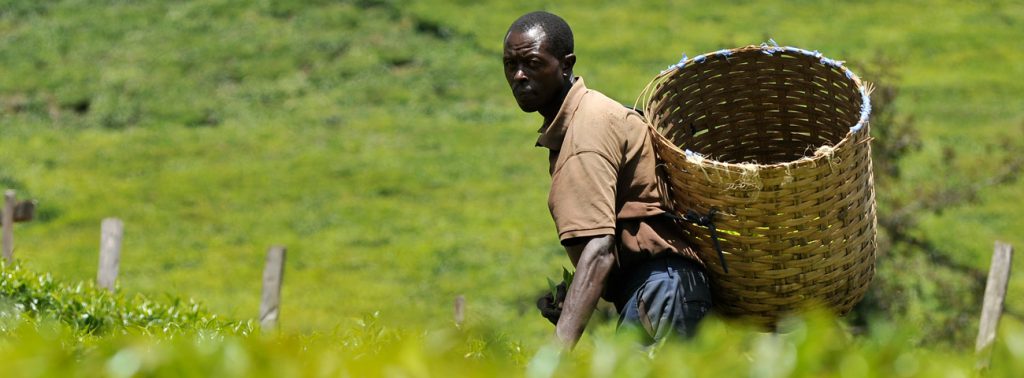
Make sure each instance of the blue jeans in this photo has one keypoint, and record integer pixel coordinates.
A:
(663, 296)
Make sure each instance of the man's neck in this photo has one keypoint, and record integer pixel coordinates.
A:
(549, 112)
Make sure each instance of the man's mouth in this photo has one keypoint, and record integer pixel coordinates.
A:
(522, 91)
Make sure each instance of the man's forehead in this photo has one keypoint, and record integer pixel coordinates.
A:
(530, 39)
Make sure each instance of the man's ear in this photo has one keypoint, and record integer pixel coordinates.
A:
(568, 62)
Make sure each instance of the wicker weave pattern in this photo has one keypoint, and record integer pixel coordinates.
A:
(776, 140)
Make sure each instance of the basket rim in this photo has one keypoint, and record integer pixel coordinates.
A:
(768, 48)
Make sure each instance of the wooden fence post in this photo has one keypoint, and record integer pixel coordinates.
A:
(460, 310)
(273, 274)
(111, 233)
(995, 295)
(8, 226)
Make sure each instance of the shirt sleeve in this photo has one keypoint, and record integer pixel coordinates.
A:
(582, 197)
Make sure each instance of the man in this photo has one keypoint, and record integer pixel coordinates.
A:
(604, 197)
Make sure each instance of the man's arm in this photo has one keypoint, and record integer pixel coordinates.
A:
(593, 264)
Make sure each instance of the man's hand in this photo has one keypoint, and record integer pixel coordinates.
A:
(551, 306)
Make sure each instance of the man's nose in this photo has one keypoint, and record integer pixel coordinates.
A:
(519, 75)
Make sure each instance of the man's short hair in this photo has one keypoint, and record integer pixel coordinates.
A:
(559, 35)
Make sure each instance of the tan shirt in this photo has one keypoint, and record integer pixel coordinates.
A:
(603, 179)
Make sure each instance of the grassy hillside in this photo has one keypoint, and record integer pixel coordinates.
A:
(378, 141)
(341, 132)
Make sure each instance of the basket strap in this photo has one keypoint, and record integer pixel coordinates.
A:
(706, 221)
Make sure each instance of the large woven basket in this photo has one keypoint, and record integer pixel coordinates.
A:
(774, 142)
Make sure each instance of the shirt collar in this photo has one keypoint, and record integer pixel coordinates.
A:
(552, 134)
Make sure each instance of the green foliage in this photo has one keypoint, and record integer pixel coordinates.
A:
(566, 279)
(90, 311)
(813, 346)
(50, 328)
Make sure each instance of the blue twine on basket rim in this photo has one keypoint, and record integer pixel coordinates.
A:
(770, 48)
(677, 66)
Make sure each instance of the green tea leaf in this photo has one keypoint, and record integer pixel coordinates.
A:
(553, 287)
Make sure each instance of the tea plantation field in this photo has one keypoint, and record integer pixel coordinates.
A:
(378, 141)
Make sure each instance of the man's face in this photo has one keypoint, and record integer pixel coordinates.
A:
(536, 76)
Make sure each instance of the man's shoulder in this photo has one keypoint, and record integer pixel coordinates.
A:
(595, 103)
(604, 125)
(598, 111)
(600, 114)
